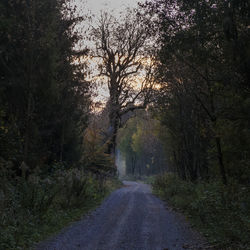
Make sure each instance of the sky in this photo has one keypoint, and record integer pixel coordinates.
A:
(95, 6)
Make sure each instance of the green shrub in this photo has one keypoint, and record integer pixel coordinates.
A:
(32, 209)
(220, 212)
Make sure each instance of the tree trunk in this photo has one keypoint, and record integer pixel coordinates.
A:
(62, 142)
(218, 142)
(27, 129)
(30, 79)
(114, 123)
(112, 142)
(221, 163)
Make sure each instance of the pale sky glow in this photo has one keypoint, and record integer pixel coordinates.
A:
(93, 8)
(113, 6)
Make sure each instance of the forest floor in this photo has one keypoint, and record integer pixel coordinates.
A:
(130, 218)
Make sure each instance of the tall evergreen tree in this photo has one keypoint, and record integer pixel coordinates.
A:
(44, 96)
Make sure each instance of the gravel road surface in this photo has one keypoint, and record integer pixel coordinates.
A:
(130, 218)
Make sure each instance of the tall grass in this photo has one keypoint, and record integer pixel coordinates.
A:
(221, 212)
(32, 209)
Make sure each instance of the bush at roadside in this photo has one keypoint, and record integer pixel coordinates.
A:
(32, 209)
(221, 212)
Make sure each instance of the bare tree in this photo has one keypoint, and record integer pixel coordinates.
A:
(121, 48)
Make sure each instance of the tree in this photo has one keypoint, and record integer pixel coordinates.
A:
(141, 145)
(44, 97)
(203, 69)
(124, 64)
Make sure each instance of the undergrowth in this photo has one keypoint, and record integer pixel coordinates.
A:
(221, 213)
(33, 209)
(142, 178)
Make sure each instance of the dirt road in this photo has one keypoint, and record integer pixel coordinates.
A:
(130, 218)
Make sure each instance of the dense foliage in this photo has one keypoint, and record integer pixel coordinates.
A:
(203, 68)
(203, 65)
(47, 179)
(140, 144)
(220, 212)
(33, 210)
(56, 157)
(44, 98)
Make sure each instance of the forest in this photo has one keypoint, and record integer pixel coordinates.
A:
(177, 77)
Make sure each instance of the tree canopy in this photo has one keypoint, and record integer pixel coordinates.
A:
(203, 68)
(121, 46)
